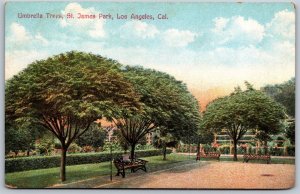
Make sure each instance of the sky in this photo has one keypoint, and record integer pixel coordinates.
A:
(212, 47)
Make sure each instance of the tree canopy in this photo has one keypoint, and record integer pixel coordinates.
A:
(284, 94)
(243, 111)
(66, 93)
(166, 103)
(94, 137)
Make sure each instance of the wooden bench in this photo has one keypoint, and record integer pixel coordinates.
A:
(133, 165)
(208, 155)
(248, 157)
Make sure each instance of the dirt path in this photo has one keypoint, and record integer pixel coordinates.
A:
(213, 175)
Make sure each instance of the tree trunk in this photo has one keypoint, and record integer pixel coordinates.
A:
(27, 152)
(266, 147)
(198, 148)
(63, 163)
(164, 152)
(235, 150)
(132, 151)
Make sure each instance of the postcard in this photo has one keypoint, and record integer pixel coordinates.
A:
(149, 95)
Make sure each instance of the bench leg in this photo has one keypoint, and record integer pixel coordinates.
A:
(143, 168)
(138, 168)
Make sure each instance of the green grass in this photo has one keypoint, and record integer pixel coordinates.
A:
(46, 177)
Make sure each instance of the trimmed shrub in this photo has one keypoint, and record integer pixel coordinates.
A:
(40, 162)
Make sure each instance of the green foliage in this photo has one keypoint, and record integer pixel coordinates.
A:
(166, 103)
(204, 136)
(224, 149)
(68, 92)
(207, 148)
(243, 111)
(78, 174)
(162, 138)
(283, 93)
(143, 140)
(74, 148)
(30, 163)
(290, 132)
(275, 151)
(45, 145)
(87, 149)
(114, 146)
(144, 147)
(17, 140)
(94, 137)
(20, 137)
(121, 140)
(290, 150)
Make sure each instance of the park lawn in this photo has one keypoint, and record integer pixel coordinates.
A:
(46, 177)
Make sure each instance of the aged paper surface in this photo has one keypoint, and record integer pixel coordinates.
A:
(149, 95)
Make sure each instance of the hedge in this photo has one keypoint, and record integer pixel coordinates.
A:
(40, 162)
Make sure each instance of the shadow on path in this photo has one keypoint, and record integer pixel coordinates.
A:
(132, 180)
(135, 180)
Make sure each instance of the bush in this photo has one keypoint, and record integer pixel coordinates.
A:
(73, 148)
(31, 163)
(224, 149)
(87, 149)
(290, 150)
(115, 147)
(144, 147)
(207, 148)
(185, 148)
(275, 151)
(252, 150)
(57, 145)
(241, 150)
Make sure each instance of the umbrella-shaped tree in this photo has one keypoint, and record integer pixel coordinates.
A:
(243, 111)
(66, 93)
(167, 104)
